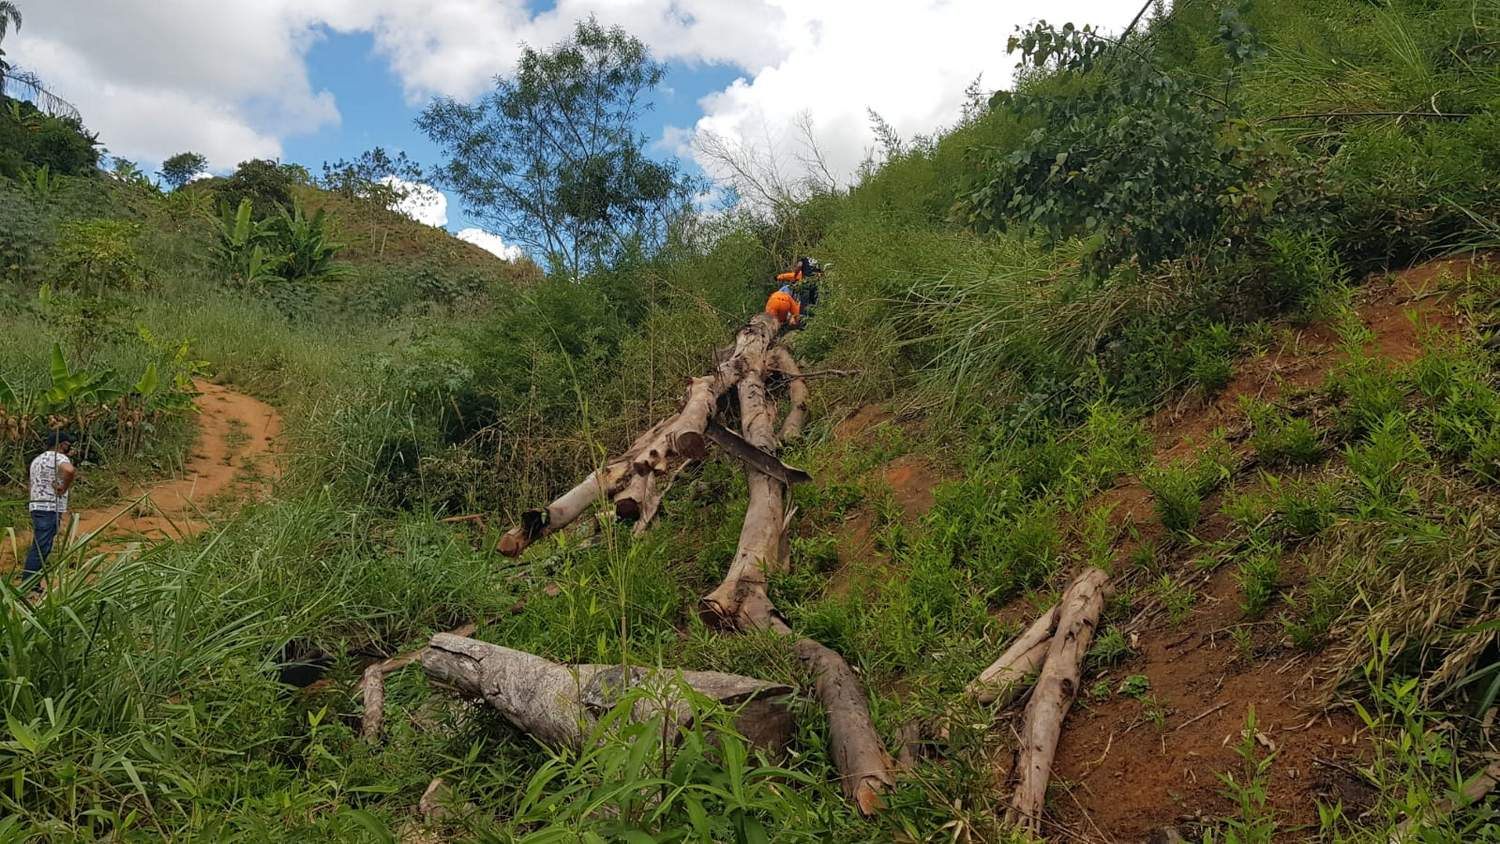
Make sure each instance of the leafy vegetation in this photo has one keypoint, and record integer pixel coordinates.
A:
(1136, 214)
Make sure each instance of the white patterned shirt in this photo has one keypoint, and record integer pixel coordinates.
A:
(46, 471)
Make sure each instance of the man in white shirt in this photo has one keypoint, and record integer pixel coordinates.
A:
(52, 475)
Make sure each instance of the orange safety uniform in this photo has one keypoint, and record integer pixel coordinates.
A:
(784, 306)
(794, 276)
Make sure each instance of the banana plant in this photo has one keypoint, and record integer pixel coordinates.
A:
(308, 248)
(243, 245)
(73, 392)
(40, 185)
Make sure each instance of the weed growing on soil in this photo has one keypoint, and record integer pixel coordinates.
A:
(1177, 597)
(1280, 439)
(1109, 649)
(1380, 464)
(1179, 488)
(1258, 575)
(1178, 501)
(1252, 823)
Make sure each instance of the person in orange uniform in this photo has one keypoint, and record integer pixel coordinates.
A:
(797, 291)
(784, 306)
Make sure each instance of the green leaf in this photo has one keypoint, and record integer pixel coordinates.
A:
(149, 381)
(369, 823)
(59, 365)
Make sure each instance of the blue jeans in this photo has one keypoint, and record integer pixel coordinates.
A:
(44, 524)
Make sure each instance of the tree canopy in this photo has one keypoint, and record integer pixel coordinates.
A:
(551, 158)
(181, 168)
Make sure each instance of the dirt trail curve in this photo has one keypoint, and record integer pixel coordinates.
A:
(231, 458)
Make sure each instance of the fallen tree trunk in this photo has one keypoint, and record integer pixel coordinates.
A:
(559, 705)
(668, 444)
(797, 395)
(1006, 677)
(741, 602)
(1077, 617)
(372, 687)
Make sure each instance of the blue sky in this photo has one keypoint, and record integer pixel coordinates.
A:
(315, 80)
(374, 110)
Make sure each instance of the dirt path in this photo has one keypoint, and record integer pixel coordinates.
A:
(231, 459)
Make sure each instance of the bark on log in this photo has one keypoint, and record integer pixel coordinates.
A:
(797, 395)
(1006, 677)
(372, 687)
(741, 602)
(1078, 616)
(559, 704)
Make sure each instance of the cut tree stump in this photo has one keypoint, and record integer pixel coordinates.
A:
(559, 704)
(1077, 617)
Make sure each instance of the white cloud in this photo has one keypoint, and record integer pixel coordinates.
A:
(910, 66)
(423, 203)
(230, 79)
(155, 78)
(490, 243)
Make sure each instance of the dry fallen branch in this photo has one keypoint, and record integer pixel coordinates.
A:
(1078, 616)
(372, 687)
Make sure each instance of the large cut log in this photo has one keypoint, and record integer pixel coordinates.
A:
(1056, 687)
(660, 451)
(797, 395)
(560, 704)
(741, 602)
(1006, 677)
(759, 550)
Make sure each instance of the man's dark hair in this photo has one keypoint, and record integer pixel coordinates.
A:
(57, 438)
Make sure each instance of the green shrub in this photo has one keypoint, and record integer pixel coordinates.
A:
(1305, 509)
(1175, 491)
(1257, 575)
(98, 256)
(1381, 463)
(1179, 488)
(1211, 356)
(1281, 439)
(1369, 393)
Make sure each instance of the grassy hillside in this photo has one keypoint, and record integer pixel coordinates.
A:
(1149, 311)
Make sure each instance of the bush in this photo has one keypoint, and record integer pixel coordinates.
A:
(29, 139)
(1257, 575)
(267, 184)
(98, 256)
